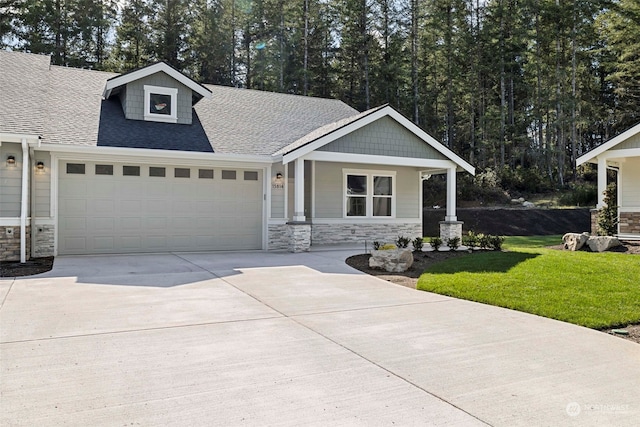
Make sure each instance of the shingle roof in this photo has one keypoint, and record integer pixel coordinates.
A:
(65, 106)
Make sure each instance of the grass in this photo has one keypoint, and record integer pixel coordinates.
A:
(596, 290)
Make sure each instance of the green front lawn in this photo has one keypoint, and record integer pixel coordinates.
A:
(588, 289)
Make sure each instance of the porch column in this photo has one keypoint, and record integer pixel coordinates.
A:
(451, 227)
(451, 195)
(298, 192)
(602, 181)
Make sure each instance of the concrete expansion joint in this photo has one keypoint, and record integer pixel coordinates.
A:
(7, 294)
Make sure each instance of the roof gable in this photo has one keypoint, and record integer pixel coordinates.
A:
(333, 132)
(131, 76)
(629, 139)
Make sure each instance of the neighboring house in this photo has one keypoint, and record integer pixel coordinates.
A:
(151, 161)
(621, 154)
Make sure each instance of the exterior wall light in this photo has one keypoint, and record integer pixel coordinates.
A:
(279, 176)
(11, 160)
(40, 167)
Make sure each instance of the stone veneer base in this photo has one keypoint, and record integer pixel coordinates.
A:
(450, 229)
(10, 244)
(329, 234)
(629, 223)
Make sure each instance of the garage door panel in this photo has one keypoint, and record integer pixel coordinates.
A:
(127, 214)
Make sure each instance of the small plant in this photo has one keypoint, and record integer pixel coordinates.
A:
(483, 241)
(388, 247)
(608, 215)
(403, 242)
(453, 243)
(496, 242)
(435, 243)
(470, 240)
(376, 245)
(417, 244)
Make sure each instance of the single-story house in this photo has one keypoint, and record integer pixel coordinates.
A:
(621, 154)
(152, 161)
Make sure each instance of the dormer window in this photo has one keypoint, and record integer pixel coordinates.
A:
(160, 104)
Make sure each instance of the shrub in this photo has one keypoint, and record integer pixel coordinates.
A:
(376, 245)
(495, 242)
(483, 241)
(388, 247)
(403, 242)
(417, 244)
(470, 240)
(608, 215)
(435, 243)
(453, 243)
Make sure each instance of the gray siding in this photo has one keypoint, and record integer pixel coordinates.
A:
(277, 194)
(329, 189)
(630, 183)
(633, 142)
(134, 97)
(384, 137)
(42, 186)
(10, 181)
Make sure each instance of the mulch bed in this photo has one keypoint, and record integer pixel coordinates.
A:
(29, 268)
(422, 261)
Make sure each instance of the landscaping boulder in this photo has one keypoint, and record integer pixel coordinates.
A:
(574, 241)
(602, 243)
(392, 260)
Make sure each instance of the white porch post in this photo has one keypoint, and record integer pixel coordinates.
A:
(298, 198)
(602, 181)
(451, 195)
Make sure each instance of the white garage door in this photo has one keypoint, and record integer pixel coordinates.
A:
(124, 208)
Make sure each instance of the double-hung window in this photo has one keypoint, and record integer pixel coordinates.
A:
(369, 194)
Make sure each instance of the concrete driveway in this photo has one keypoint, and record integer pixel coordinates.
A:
(289, 339)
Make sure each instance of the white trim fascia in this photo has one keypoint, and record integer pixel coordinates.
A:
(277, 221)
(18, 137)
(327, 156)
(313, 189)
(386, 111)
(621, 154)
(266, 207)
(591, 155)
(53, 201)
(420, 195)
(15, 221)
(142, 155)
(362, 220)
(152, 69)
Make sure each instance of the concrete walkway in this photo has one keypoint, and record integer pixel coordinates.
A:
(232, 339)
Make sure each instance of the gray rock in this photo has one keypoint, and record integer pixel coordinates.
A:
(574, 241)
(393, 260)
(602, 243)
(528, 205)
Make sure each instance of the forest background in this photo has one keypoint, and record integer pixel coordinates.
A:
(519, 89)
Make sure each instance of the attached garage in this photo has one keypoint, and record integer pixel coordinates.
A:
(106, 207)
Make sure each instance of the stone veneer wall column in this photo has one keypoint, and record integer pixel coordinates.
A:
(278, 237)
(329, 234)
(10, 243)
(44, 241)
(299, 236)
(594, 221)
(450, 229)
(629, 223)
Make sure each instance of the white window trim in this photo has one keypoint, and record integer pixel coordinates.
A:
(370, 174)
(173, 92)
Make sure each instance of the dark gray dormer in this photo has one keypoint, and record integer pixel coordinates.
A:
(157, 93)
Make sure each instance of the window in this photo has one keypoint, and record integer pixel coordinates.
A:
(250, 176)
(75, 168)
(131, 170)
(157, 171)
(160, 104)
(228, 174)
(205, 173)
(104, 169)
(182, 173)
(369, 194)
